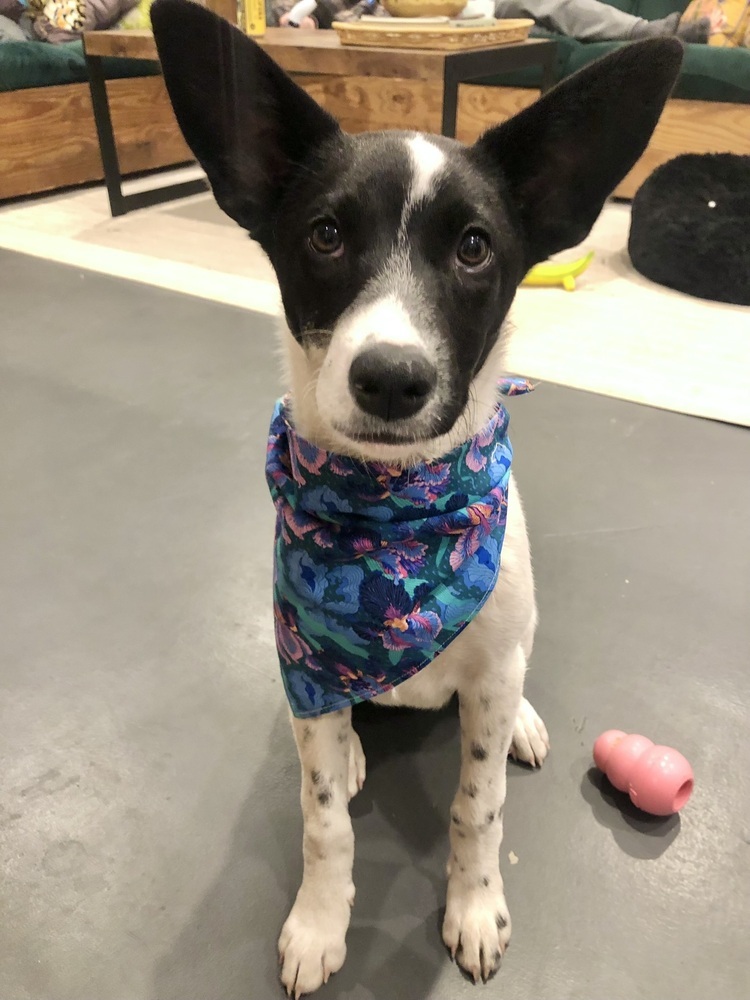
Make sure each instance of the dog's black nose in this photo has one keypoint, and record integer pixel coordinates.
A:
(391, 382)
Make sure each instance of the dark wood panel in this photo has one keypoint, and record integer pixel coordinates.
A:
(48, 138)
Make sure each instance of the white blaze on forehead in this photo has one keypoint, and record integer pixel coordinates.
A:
(427, 162)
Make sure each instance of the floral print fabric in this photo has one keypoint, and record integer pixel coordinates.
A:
(378, 568)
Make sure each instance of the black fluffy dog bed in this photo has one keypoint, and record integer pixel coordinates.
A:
(690, 226)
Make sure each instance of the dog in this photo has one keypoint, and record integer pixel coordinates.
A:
(398, 256)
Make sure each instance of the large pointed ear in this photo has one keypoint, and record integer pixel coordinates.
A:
(561, 158)
(246, 122)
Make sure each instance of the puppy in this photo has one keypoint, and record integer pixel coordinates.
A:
(398, 256)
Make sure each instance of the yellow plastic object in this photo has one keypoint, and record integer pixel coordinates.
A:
(253, 17)
(550, 273)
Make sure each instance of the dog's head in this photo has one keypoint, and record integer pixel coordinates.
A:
(398, 254)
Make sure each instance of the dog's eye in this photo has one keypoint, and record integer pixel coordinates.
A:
(474, 250)
(325, 238)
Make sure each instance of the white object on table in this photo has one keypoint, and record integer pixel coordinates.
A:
(300, 11)
(477, 8)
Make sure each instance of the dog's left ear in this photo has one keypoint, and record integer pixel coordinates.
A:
(561, 157)
(245, 120)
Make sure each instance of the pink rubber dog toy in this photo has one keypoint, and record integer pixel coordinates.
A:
(658, 779)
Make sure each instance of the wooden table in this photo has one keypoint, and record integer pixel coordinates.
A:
(310, 54)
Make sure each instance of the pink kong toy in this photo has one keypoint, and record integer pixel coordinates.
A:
(658, 779)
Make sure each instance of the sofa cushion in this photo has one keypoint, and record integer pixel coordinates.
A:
(707, 74)
(39, 64)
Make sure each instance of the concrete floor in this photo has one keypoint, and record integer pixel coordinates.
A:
(149, 825)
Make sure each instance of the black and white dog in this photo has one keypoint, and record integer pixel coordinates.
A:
(410, 248)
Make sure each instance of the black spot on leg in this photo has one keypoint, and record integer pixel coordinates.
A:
(461, 834)
(315, 775)
(307, 734)
(343, 736)
(485, 880)
(470, 790)
(478, 752)
(490, 817)
(500, 922)
(324, 797)
(455, 818)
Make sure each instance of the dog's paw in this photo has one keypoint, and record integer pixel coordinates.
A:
(476, 929)
(357, 768)
(530, 740)
(312, 945)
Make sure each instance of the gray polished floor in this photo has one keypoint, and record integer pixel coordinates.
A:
(149, 826)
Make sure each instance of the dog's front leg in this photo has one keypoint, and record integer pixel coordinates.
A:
(477, 923)
(312, 945)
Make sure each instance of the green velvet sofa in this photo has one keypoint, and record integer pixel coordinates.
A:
(26, 65)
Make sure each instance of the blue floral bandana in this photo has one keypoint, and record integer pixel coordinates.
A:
(377, 568)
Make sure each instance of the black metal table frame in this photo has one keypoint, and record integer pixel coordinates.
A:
(462, 67)
(119, 202)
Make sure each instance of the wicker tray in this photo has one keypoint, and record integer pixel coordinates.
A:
(388, 33)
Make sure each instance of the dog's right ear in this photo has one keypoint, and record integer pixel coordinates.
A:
(244, 119)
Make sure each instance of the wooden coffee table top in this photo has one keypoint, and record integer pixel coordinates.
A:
(300, 51)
